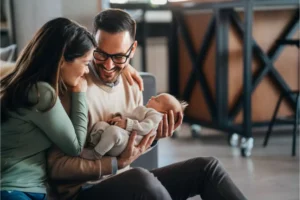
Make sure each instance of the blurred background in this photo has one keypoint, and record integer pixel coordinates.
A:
(236, 62)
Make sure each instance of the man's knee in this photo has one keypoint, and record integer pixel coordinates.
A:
(212, 161)
(148, 184)
(205, 164)
(203, 161)
(144, 176)
(213, 167)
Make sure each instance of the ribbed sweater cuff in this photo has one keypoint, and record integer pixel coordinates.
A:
(129, 124)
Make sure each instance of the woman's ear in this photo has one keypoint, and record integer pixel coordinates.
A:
(133, 49)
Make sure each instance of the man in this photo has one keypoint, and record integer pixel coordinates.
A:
(109, 92)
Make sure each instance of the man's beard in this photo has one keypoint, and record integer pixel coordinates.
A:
(116, 70)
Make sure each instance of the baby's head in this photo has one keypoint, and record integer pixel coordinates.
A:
(164, 102)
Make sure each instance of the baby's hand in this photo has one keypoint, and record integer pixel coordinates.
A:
(120, 122)
(113, 120)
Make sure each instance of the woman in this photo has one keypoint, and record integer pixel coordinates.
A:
(32, 116)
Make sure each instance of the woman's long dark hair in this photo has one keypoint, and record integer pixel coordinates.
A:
(41, 60)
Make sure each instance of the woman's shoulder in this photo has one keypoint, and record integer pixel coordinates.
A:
(44, 86)
(41, 88)
(43, 94)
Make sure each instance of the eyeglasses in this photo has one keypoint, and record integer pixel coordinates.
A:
(116, 58)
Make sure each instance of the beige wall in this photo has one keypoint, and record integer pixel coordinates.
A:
(30, 15)
(157, 61)
(81, 11)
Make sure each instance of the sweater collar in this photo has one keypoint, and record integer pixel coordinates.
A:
(111, 85)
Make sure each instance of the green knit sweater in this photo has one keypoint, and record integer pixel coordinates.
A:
(27, 135)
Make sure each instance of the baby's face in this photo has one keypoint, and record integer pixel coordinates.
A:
(156, 103)
(161, 102)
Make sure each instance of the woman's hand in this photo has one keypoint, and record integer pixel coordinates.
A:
(81, 86)
(167, 125)
(132, 151)
(132, 75)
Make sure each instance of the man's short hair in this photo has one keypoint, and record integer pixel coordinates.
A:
(115, 21)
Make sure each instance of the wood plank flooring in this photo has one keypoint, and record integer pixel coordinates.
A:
(271, 173)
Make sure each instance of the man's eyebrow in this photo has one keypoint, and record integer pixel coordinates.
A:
(115, 54)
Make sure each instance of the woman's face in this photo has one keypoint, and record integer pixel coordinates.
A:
(71, 72)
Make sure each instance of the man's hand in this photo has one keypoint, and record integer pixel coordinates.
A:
(118, 121)
(132, 151)
(167, 125)
(132, 75)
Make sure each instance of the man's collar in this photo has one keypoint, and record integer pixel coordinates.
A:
(113, 84)
(92, 69)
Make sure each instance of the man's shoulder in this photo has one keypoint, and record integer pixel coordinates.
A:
(134, 87)
(90, 78)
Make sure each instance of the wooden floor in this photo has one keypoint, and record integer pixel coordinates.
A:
(271, 173)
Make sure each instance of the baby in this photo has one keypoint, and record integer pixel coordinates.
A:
(111, 138)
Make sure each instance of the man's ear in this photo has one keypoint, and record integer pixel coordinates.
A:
(133, 49)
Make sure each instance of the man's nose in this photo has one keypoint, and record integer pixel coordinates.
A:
(109, 64)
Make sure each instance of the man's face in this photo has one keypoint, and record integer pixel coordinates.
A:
(117, 45)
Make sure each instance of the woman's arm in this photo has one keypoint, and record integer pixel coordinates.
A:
(55, 123)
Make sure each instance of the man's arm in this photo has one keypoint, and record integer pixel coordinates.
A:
(63, 167)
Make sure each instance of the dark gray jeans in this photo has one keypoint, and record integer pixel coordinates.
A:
(203, 176)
